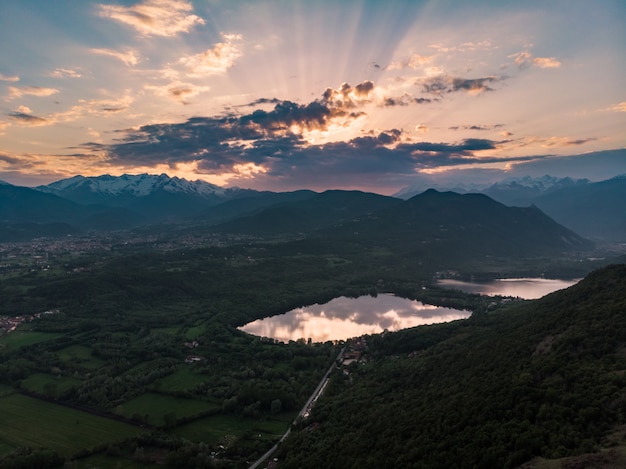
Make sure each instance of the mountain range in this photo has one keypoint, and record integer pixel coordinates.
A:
(594, 210)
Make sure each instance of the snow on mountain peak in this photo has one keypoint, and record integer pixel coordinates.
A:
(138, 185)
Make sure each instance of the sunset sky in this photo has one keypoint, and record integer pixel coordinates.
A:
(284, 94)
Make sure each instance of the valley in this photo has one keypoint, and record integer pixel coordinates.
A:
(144, 343)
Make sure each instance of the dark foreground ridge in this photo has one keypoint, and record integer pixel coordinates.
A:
(542, 379)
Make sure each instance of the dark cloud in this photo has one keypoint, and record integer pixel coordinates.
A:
(405, 100)
(10, 159)
(27, 118)
(580, 141)
(476, 127)
(274, 140)
(445, 84)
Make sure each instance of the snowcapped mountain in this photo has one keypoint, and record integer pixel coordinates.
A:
(128, 185)
(524, 190)
(510, 191)
(154, 197)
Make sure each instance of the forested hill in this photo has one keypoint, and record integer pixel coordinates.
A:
(544, 379)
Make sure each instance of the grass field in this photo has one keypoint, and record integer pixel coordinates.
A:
(194, 332)
(32, 422)
(22, 337)
(49, 385)
(101, 461)
(81, 355)
(154, 407)
(181, 380)
(219, 428)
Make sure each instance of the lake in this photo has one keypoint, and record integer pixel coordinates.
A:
(343, 318)
(527, 288)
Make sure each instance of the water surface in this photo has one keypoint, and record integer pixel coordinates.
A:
(343, 318)
(527, 288)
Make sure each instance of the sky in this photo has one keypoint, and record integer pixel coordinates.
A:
(283, 95)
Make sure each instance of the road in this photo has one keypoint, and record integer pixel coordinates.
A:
(305, 410)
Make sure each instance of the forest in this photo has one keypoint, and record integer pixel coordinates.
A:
(137, 359)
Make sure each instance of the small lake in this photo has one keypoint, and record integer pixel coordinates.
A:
(527, 288)
(343, 318)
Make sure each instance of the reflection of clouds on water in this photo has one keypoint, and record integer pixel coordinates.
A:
(343, 318)
(528, 288)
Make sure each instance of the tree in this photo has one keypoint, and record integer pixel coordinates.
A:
(276, 406)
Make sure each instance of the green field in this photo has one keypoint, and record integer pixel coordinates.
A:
(81, 355)
(154, 408)
(182, 380)
(49, 385)
(20, 338)
(220, 428)
(102, 461)
(194, 332)
(36, 423)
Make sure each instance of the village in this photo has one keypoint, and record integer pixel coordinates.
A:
(10, 323)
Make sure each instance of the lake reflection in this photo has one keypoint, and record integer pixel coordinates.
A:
(527, 288)
(343, 317)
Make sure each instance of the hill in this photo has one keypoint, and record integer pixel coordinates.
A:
(541, 379)
(312, 213)
(596, 210)
(450, 228)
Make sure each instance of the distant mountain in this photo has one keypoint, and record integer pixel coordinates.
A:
(596, 210)
(524, 191)
(99, 189)
(465, 226)
(312, 212)
(26, 213)
(251, 203)
(23, 204)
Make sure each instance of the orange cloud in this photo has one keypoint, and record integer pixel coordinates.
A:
(621, 107)
(129, 57)
(213, 61)
(65, 72)
(525, 59)
(13, 78)
(15, 92)
(178, 90)
(155, 17)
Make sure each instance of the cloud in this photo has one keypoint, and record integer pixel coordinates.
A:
(464, 47)
(421, 128)
(15, 92)
(476, 127)
(27, 118)
(525, 59)
(13, 78)
(269, 145)
(129, 57)
(620, 107)
(439, 85)
(551, 142)
(65, 73)
(215, 60)
(10, 159)
(414, 61)
(178, 90)
(154, 17)
(93, 107)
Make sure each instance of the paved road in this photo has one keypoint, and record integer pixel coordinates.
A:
(305, 410)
